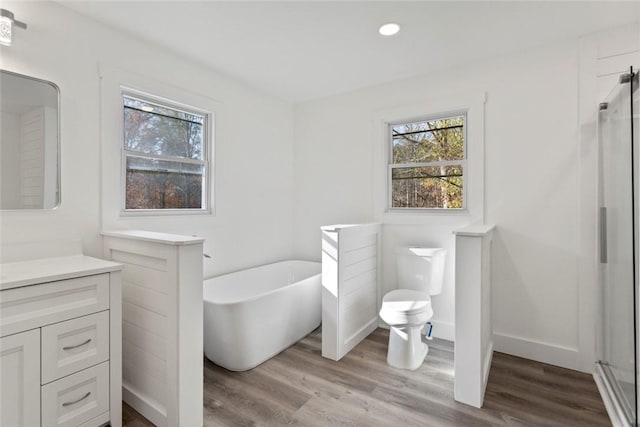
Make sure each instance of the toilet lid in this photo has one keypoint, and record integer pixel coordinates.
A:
(406, 300)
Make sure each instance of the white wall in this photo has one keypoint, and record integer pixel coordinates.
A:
(249, 227)
(531, 190)
(537, 186)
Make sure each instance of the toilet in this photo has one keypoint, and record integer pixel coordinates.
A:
(406, 310)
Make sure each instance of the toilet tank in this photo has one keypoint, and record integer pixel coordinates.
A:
(420, 269)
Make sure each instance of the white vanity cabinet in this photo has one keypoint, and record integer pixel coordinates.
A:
(60, 343)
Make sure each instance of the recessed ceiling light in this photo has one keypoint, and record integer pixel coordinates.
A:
(389, 29)
(147, 108)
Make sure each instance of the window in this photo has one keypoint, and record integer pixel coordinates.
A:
(427, 164)
(166, 156)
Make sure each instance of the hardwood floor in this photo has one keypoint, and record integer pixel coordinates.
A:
(299, 387)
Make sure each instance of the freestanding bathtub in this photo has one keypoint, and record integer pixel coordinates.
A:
(252, 315)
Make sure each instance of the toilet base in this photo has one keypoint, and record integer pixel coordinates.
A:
(406, 349)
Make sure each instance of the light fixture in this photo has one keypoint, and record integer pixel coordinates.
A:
(6, 26)
(389, 29)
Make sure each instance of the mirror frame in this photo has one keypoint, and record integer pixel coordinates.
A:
(58, 143)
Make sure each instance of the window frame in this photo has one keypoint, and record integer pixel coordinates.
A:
(463, 162)
(207, 149)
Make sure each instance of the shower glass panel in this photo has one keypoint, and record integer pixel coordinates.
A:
(618, 232)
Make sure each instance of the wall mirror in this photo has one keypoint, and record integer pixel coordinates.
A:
(29, 142)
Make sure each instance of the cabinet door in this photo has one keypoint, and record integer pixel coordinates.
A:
(20, 379)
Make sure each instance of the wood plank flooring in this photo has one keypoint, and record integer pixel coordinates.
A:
(298, 387)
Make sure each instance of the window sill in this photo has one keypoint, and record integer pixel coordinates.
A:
(163, 212)
(426, 216)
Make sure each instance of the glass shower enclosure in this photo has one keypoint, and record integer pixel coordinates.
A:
(619, 134)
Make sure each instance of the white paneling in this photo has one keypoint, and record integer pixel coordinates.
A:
(145, 285)
(144, 319)
(149, 389)
(136, 335)
(353, 271)
(146, 279)
(156, 279)
(146, 262)
(146, 365)
(144, 298)
(363, 280)
(350, 272)
(162, 343)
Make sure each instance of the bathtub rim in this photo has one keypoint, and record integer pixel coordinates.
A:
(264, 294)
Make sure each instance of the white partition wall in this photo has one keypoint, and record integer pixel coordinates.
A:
(350, 276)
(162, 337)
(474, 330)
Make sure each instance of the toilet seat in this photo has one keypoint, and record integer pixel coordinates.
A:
(406, 307)
(407, 300)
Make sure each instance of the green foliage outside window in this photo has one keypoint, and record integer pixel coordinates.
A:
(427, 164)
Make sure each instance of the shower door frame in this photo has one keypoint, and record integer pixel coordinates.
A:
(621, 410)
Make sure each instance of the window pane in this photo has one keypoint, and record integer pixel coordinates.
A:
(158, 184)
(150, 128)
(428, 141)
(427, 187)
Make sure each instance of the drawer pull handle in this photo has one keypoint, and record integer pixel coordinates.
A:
(76, 401)
(71, 347)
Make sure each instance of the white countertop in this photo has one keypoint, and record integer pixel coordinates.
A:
(335, 227)
(474, 230)
(25, 273)
(152, 236)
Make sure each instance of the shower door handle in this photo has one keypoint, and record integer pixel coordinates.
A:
(603, 235)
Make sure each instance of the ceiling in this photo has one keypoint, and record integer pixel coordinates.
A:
(299, 50)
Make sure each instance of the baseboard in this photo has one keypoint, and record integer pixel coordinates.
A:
(146, 407)
(355, 339)
(616, 414)
(488, 357)
(565, 357)
(442, 330)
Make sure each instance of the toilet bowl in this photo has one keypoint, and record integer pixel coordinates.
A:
(407, 310)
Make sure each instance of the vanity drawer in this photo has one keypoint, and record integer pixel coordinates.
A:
(77, 398)
(76, 344)
(34, 306)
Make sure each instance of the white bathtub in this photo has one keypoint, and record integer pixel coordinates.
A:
(252, 315)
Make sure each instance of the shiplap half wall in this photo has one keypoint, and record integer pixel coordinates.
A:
(162, 323)
(474, 325)
(350, 277)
